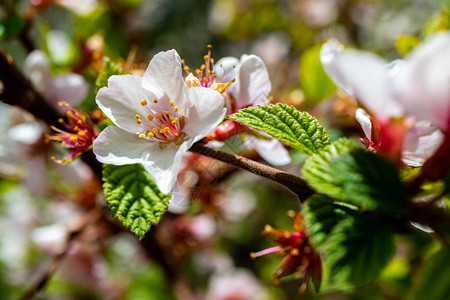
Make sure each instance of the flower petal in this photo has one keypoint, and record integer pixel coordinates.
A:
(423, 84)
(37, 69)
(252, 86)
(206, 113)
(225, 68)
(363, 119)
(71, 88)
(164, 79)
(272, 151)
(362, 76)
(119, 147)
(419, 143)
(120, 101)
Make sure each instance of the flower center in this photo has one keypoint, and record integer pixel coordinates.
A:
(205, 73)
(162, 123)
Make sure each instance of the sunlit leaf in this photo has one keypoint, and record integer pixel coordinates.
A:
(297, 129)
(109, 70)
(133, 197)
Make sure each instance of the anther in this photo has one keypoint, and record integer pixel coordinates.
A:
(175, 109)
(205, 57)
(166, 112)
(159, 116)
(171, 103)
(150, 135)
(138, 117)
(61, 120)
(155, 130)
(142, 135)
(143, 102)
(139, 121)
(155, 101)
(198, 71)
(150, 118)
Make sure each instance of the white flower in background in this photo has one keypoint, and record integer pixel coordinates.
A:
(79, 7)
(422, 84)
(70, 87)
(158, 117)
(251, 88)
(370, 80)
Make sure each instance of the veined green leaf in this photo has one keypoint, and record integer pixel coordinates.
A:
(357, 177)
(133, 197)
(321, 216)
(297, 129)
(315, 83)
(434, 280)
(109, 70)
(356, 251)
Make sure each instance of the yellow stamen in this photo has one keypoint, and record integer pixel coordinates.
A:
(198, 71)
(142, 135)
(138, 117)
(175, 109)
(205, 57)
(139, 121)
(81, 133)
(150, 118)
(155, 130)
(174, 121)
(155, 101)
(143, 102)
(203, 67)
(61, 120)
(159, 116)
(186, 69)
(171, 103)
(166, 112)
(150, 135)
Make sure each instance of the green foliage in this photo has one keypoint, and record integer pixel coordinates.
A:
(109, 70)
(406, 44)
(11, 27)
(357, 177)
(434, 281)
(321, 216)
(297, 129)
(315, 83)
(133, 197)
(356, 251)
(438, 22)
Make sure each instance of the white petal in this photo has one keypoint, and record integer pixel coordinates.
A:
(225, 68)
(419, 143)
(119, 147)
(165, 165)
(120, 101)
(272, 151)
(362, 76)
(79, 7)
(164, 79)
(423, 84)
(363, 119)
(206, 113)
(179, 200)
(37, 69)
(71, 88)
(252, 86)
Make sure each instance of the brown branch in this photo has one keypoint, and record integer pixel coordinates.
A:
(89, 218)
(294, 183)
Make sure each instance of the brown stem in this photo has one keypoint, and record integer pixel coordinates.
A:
(292, 182)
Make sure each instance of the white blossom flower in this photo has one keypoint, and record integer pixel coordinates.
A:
(69, 87)
(158, 118)
(422, 84)
(370, 80)
(251, 88)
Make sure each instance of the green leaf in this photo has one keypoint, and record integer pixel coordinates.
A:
(315, 83)
(133, 197)
(109, 70)
(439, 22)
(11, 27)
(433, 283)
(321, 216)
(406, 44)
(298, 129)
(356, 251)
(357, 177)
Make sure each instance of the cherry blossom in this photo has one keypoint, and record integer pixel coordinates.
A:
(158, 118)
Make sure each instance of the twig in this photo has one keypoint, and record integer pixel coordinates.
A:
(91, 217)
(293, 183)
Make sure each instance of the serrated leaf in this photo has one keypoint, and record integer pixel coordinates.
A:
(406, 44)
(356, 251)
(320, 217)
(133, 197)
(297, 129)
(109, 70)
(357, 177)
(434, 282)
(315, 83)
